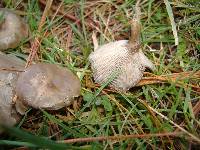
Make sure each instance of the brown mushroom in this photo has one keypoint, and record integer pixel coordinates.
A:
(9, 66)
(47, 86)
(12, 29)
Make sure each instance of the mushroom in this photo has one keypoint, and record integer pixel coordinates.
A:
(12, 29)
(123, 57)
(47, 86)
(9, 65)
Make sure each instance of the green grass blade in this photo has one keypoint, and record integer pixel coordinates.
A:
(35, 140)
(66, 128)
(16, 143)
(171, 17)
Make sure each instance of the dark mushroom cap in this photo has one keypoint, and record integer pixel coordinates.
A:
(47, 86)
(8, 78)
(12, 29)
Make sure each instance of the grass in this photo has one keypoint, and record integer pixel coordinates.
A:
(65, 39)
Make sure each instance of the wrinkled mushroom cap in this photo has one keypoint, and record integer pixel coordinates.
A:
(8, 115)
(123, 59)
(47, 86)
(12, 29)
(117, 57)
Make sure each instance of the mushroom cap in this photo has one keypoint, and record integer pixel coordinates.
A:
(47, 86)
(8, 115)
(12, 29)
(116, 57)
(11, 62)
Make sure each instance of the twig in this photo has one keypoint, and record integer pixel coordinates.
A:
(196, 110)
(37, 41)
(95, 41)
(54, 8)
(121, 137)
(68, 16)
(154, 79)
(197, 139)
(175, 78)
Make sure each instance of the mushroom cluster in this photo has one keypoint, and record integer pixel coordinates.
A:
(42, 85)
(12, 31)
(49, 86)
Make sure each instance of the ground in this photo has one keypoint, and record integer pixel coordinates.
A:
(162, 112)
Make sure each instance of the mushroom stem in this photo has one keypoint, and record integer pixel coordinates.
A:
(135, 33)
(137, 11)
(134, 41)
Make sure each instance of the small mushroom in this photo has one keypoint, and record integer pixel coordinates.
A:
(123, 57)
(9, 65)
(12, 29)
(47, 86)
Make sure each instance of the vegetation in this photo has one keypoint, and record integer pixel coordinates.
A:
(162, 112)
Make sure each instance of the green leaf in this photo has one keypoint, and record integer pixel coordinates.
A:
(198, 32)
(198, 47)
(87, 97)
(181, 49)
(147, 120)
(93, 116)
(106, 103)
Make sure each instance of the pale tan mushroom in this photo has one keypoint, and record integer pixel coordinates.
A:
(12, 29)
(47, 86)
(9, 67)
